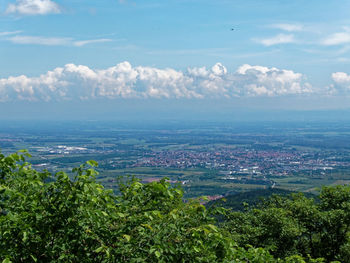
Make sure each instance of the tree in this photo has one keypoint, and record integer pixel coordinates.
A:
(296, 225)
(61, 218)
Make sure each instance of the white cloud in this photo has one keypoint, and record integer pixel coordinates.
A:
(33, 7)
(91, 41)
(279, 39)
(8, 33)
(73, 82)
(49, 41)
(341, 78)
(288, 27)
(272, 81)
(340, 85)
(38, 40)
(337, 39)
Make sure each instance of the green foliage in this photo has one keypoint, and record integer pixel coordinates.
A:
(60, 218)
(54, 218)
(50, 221)
(254, 197)
(293, 225)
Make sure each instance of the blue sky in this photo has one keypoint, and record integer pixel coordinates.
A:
(110, 50)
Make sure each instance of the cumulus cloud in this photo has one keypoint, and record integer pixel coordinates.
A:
(288, 27)
(273, 81)
(78, 82)
(341, 84)
(341, 78)
(33, 7)
(279, 39)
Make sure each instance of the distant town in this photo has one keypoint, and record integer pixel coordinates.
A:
(217, 160)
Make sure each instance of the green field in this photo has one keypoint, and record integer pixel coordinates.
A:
(296, 157)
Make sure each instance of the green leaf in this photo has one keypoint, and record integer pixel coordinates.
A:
(178, 191)
(212, 227)
(104, 213)
(121, 214)
(6, 260)
(25, 237)
(147, 225)
(92, 163)
(127, 237)
(98, 250)
(157, 253)
(34, 258)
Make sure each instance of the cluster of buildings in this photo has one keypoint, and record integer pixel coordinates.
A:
(238, 162)
(62, 149)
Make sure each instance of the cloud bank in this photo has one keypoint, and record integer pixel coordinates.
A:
(78, 82)
(33, 7)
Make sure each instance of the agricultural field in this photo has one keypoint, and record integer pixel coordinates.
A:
(213, 159)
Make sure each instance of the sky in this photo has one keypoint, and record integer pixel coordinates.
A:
(76, 57)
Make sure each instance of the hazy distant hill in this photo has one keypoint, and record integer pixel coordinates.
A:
(235, 201)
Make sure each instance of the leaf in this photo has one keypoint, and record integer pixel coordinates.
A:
(25, 237)
(6, 260)
(98, 250)
(121, 214)
(157, 253)
(147, 225)
(127, 237)
(212, 227)
(92, 163)
(86, 188)
(104, 213)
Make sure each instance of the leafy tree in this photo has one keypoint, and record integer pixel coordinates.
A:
(58, 218)
(297, 225)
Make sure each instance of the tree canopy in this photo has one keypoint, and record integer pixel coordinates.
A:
(58, 217)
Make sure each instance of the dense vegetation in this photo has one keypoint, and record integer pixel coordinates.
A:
(298, 225)
(58, 218)
(240, 201)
